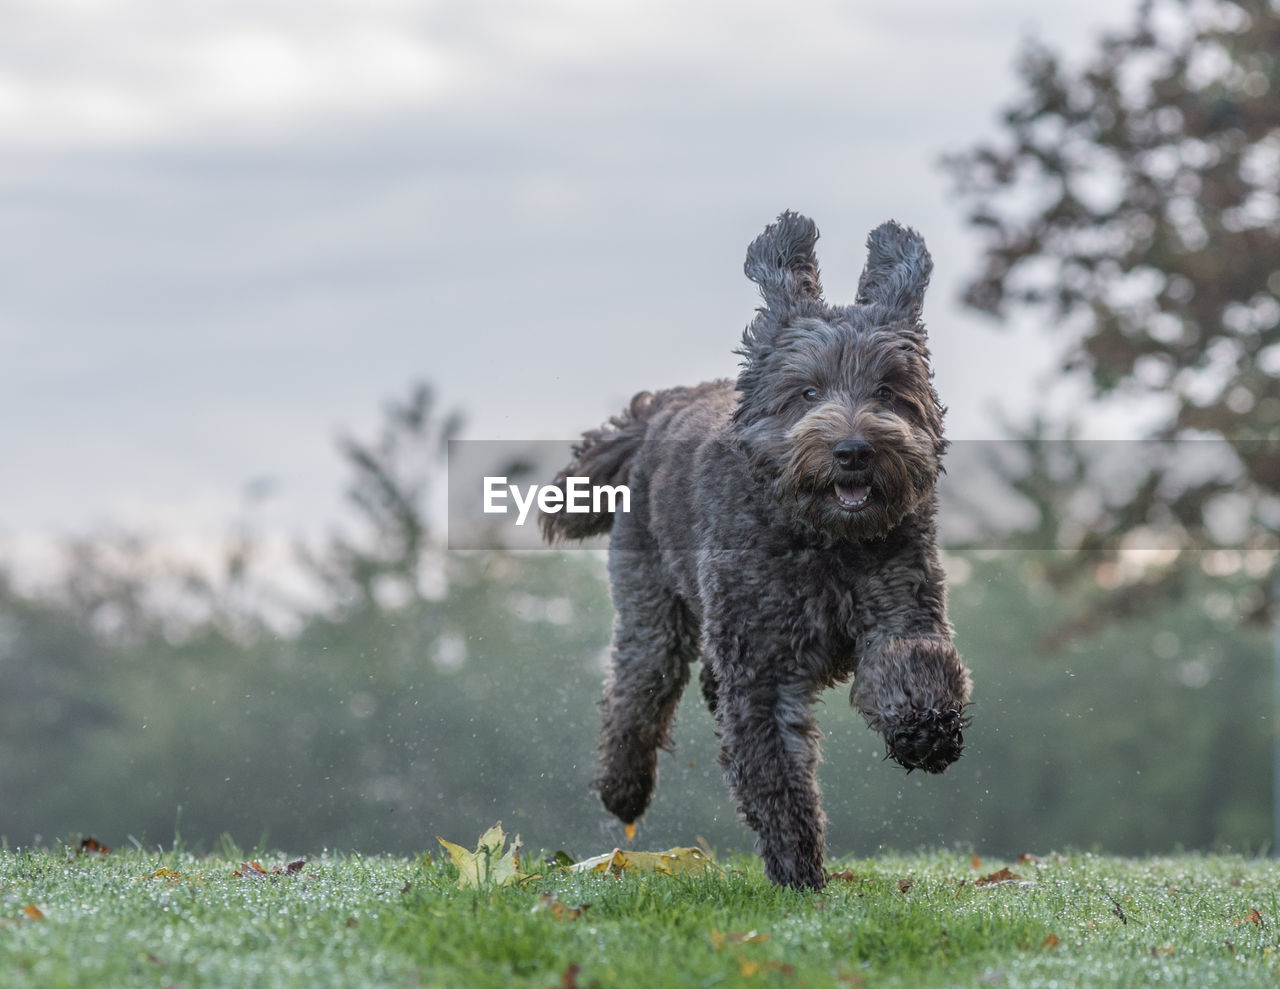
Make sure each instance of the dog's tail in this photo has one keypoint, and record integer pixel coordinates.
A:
(604, 456)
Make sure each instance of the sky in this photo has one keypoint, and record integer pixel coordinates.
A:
(232, 231)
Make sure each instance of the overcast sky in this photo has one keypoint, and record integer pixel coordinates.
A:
(233, 229)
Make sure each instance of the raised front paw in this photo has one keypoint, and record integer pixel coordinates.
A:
(930, 740)
(914, 692)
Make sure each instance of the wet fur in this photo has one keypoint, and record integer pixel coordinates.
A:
(737, 550)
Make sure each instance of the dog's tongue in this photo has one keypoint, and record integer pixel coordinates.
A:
(852, 495)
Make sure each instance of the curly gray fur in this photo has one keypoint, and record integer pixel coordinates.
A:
(782, 531)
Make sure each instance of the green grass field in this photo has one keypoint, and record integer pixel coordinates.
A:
(910, 921)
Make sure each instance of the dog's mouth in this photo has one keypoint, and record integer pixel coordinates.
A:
(852, 497)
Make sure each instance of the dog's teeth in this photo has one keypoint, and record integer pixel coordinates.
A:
(852, 496)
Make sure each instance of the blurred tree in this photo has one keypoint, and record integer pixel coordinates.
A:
(1136, 203)
(389, 489)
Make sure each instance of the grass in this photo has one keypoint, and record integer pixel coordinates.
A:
(899, 921)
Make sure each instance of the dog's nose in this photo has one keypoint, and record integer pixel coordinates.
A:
(854, 454)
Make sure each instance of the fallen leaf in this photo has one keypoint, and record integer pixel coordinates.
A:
(630, 831)
(1002, 876)
(1050, 942)
(294, 866)
(977, 862)
(1252, 917)
(488, 865)
(93, 846)
(904, 885)
(1167, 950)
(1028, 859)
(32, 912)
(690, 861)
(747, 967)
(845, 876)
(163, 873)
(570, 978)
(550, 903)
(251, 870)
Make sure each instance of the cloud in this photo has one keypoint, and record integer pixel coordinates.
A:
(113, 72)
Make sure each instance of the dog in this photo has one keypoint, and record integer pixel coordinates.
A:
(781, 529)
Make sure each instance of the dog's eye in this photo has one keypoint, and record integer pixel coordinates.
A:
(884, 393)
(810, 394)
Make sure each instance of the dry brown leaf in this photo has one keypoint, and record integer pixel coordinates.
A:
(570, 978)
(1252, 917)
(1002, 876)
(551, 904)
(630, 831)
(844, 876)
(1027, 859)
(93, 846)
(977, 862)
(904, 885)
(32, 912)
(1050, 942)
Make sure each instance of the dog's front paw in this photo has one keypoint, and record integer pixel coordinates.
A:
(914, 692)
(929, 740)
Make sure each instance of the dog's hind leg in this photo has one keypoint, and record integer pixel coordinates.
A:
(654, 642)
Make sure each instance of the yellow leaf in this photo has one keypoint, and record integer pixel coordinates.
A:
(488, 865)
(748, 968)
(33, 912)
(163, 873)
(674, 860)
(630, 831)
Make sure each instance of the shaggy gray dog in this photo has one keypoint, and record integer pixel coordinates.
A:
(781, 529)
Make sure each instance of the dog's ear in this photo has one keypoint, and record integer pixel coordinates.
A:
(897, 271)
(781, 261)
